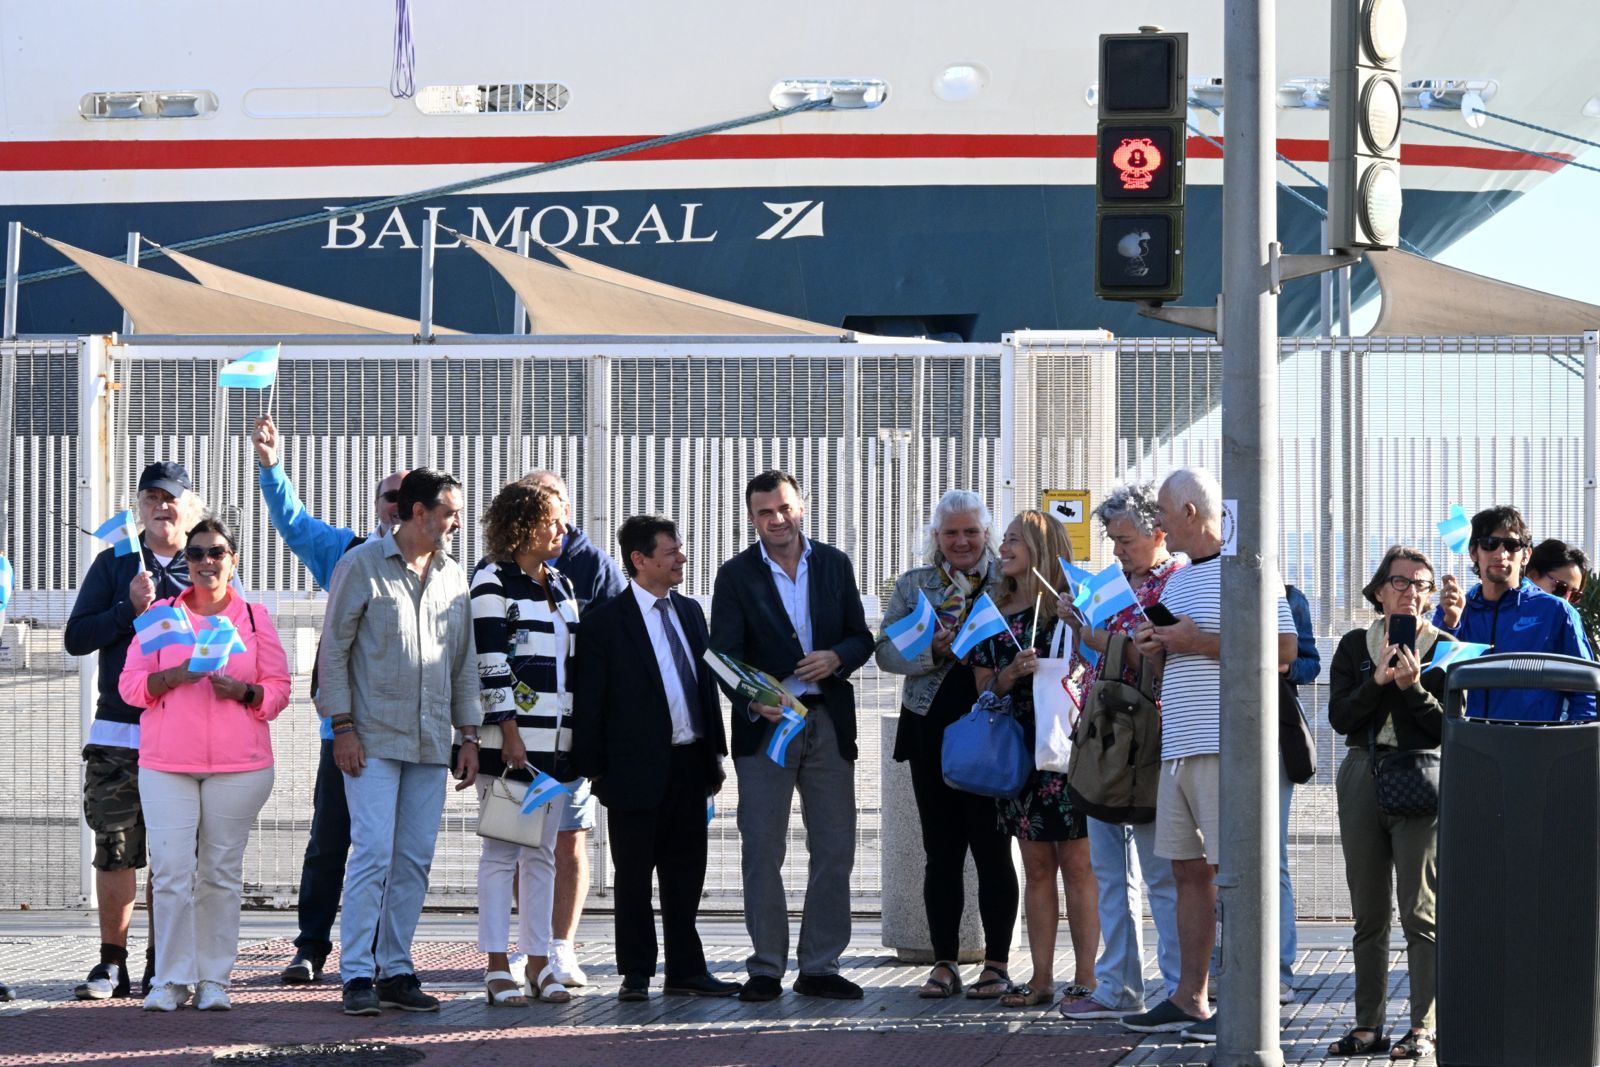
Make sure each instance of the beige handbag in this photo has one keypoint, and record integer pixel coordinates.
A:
(500, 814)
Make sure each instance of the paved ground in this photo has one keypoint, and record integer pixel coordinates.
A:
(43, 953)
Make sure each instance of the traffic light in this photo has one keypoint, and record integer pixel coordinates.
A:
(1139, 157)
(1364, 124)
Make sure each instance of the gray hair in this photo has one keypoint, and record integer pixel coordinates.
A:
(1134, 501)
(1197, 486)
(954, 502)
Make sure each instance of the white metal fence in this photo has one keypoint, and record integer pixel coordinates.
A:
(1378, 437)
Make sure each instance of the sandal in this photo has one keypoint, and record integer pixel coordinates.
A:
(1025, 996)
(503, 998)
(1353, 1044)
(1076, 990)
(996, 985)
(548, 989)
(1414, 1046)
(936, 988)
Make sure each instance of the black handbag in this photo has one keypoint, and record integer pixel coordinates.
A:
(1407, 780)
(1295, 742)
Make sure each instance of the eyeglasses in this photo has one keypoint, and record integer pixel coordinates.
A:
(195, 553)
(390, 496)
(1495, 544)
(1402, 584)
(1564, 591)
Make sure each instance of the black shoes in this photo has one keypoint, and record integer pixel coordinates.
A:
(302, 970)
(403, 991)
(149, 971)
(702, 985)
(105, 981)
(761, 987)
(360, 998)
(828, 986)
(634, 990)
(5, 993)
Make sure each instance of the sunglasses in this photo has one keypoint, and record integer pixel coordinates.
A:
(195, 553)
(1564, 591)
(1495, 544)
(1401, 584)
(390, 496)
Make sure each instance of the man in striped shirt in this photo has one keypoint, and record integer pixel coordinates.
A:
(1191, 716)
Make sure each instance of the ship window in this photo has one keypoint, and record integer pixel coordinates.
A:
(148, 104)
(508, 98)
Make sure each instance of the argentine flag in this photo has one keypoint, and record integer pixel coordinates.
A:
(1076, 576)
(162, 626)
(543, 790)
(1105, 594)
(7, 582)
(120, 532)
(1456, 530)
(253, 370)
(913, 635)
(983, 621)
(1448, 652)
(213, 645)
(788, 728)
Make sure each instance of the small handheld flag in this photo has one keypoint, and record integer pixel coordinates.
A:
(788, 728)
(1456, 530)
(983, 621)
(1104, 595)
(213, 645)
(711, 809)
(121, 533)
(253, 370)
(1447, 652)
(543, 790)
(162, 626)
(7, 582)
(1076, 576)
(913, 635)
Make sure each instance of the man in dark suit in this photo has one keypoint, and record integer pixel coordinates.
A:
(789, 605)
(647, 733)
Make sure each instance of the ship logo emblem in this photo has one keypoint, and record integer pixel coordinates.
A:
(802, 218)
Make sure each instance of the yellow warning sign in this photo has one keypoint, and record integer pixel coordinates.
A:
(1071, 506)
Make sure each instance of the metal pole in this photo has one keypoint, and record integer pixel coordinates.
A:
(1325, 573)
(13, 268)
(519, 311)
(94, 503)
(598, 522)
(1591, 445)
(133, 261)
(1247, 883)
(850, 465)
(1005, 497)
(430, 231)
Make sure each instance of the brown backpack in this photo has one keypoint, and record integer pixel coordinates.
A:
(1116, 749)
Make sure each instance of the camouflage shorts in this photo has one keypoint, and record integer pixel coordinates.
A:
(111, 806)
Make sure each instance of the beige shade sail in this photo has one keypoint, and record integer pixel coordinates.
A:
(589, 269)
(561, 301)
(224, 280)
(1422, 298)
(163, 305)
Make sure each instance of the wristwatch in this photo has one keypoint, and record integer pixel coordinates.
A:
(469, 739)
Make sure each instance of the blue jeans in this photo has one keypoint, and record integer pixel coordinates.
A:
(1119, 854)
(394, 822)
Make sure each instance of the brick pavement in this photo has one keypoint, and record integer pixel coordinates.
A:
(891, 1026)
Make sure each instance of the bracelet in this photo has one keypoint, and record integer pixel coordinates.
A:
(473, 740)
(346, 728)
(342, 720)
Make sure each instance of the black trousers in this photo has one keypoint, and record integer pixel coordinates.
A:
(953, 824)
(668, 841)
(322, 873)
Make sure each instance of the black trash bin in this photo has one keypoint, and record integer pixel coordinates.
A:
(1519, 874)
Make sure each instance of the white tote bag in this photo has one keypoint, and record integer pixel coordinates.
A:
(1055, 706)
(500, 814)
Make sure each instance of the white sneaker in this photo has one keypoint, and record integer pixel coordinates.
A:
(212, 996)
(169, 997)
(1285, 993)
(564, 964)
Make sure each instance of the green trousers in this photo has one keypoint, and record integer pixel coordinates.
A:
(1384, 854)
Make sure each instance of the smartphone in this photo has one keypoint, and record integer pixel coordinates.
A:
(1158, 614)
(1403, 631)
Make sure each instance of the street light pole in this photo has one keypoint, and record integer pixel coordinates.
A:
(1247, 883)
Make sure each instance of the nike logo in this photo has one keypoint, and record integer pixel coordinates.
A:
(1524, 624)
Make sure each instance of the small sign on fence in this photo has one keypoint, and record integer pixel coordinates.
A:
(1071, 506)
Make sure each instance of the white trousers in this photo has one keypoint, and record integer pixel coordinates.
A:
(196, 828)
(533, 871)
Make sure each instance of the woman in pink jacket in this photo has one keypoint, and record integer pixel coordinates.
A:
(205, 767)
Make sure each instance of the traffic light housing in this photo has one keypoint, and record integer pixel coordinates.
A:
(1139, 166)
(1364, 124)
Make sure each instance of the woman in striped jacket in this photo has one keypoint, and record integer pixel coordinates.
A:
(525, 619)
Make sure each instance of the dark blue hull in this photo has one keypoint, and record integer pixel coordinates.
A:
(968, 262)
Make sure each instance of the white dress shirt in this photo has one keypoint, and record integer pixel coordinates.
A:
(677, 700)
(796, 596)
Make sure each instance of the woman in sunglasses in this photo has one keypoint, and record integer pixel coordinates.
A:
(1382, 698)
(1558, 568)
(1510, 614)
(205, 762)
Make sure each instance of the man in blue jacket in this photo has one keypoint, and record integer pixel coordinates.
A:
(1511, 614)
(319, 545)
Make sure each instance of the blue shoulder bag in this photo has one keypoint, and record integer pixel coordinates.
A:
(985, 751)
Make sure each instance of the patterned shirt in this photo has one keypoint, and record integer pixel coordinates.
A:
(525, 635)
(1127, 620)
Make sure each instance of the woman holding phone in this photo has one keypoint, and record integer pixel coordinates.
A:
(1383, 698)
